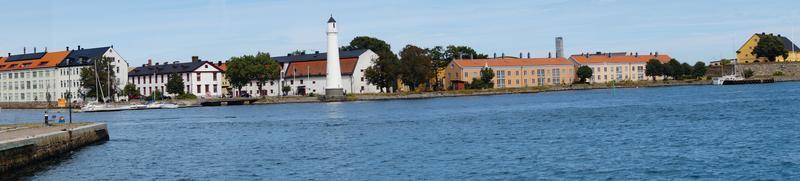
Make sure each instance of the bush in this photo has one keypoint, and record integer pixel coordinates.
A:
(187, 96)
(777, 73)
(748, 73)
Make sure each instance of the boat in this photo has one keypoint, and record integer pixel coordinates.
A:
(727, 78)
(98, 107)
(159, 105)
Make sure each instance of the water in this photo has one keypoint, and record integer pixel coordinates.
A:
(693, 132)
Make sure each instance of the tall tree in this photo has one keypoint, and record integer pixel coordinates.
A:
(686, 70)
(297, 52)
(384, 71)
(130, 90)
(265, 69)
(584, 72)
(699, 69)
(487, 74)
(175, 84)
(463, 52)
(100, 78)
(416, 66)
(673, 69)
(770, 47)
(654, 68)
(240, 71)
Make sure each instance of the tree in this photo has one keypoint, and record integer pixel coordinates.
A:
(285, 89)
(673, 69)
(699, 69)
(584, 72)
(298, 52)
(384, 71)
(416, 66)
(487, 74)
(463, 52)
(175, 84)
(686, 70)
(654, 68)
(100, 78)
(748, 73)
(130, 90)
(725, 61)
(240, 72)
(265, 69)
(770, 47)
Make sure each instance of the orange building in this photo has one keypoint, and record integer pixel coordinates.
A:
(512, 72)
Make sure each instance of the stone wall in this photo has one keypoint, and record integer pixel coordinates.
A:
(17, 153)
(791, 69)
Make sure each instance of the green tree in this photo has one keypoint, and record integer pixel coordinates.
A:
(748, 73)
(699, 69)
(100, 80)
(462, 52)
(285, 89)
(416, 66)
(265, 69)
(584, 72)
(130, 90)
(725, 61)
(770, 47)
(385, 69)
(175, 84)
(654, 68)
(673, 69)
(298, 52)
(487, 74)
(240, 71)
(686, 70)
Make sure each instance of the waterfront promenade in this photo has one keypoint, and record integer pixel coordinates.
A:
(25, 144)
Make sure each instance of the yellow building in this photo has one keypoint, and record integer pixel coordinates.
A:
(745, 53)
(511, 73)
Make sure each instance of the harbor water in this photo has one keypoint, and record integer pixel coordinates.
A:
(690, 132)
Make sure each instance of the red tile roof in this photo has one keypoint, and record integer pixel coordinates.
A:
(512, 62)
(50, 59)
(319, 67)
(619, 59)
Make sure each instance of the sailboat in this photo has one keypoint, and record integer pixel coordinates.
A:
(97, 106)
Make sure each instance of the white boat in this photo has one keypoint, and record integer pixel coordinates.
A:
(158, 105)
(97, 107)
(721, 80)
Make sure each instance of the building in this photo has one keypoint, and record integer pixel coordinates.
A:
(745, 53)
(33, 77)
(511, 72)
(618, 66)
(201, 78)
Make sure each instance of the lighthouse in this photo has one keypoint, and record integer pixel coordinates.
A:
(333, 80)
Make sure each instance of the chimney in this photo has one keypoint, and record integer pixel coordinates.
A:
(149, 61)
(549, 54)
(288, 54)
(67, 48)
(156, 63)
(79, 47)
(651, 53)
(9, 54)
(175, 62)
(144, 65)
(598, 53)
(24, 50)
(637, 54)
(166, 63)
(495, 55)
(503, 56)
(34, 49)
(656, 54)
(529, 54)
(45, 49)
(195, 59)
(316, 52)
(219, 63)
(520, 54)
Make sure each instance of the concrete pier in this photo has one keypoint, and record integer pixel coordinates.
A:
(22, 145)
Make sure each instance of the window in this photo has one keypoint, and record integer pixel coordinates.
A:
(215, 76)
(466, 75)
(301, 81)
(198, 77)
(215, 88)
(207, 88)
(198, 89)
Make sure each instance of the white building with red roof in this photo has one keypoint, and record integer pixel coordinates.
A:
(607, 67)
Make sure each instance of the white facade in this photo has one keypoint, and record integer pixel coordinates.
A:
(351, 83)
(334, 78)
(607, 72)
(33, 85)
(203, 81)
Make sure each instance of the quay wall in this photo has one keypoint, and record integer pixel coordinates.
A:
(791, 69)
(19, 152)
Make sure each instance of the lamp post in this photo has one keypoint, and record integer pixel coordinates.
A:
(69, 92)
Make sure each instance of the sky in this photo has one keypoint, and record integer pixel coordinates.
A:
(215, 30)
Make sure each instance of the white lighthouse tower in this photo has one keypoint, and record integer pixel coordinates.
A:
(333, 81)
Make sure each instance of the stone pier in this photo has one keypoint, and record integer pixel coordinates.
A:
(22, 145)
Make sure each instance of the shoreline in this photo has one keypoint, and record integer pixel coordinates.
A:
(440, 94)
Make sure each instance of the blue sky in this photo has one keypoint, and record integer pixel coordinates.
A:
(689, 30)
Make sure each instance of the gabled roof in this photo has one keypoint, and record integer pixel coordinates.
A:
(511, 62)
(168, 68)
(584, 59)
(84, 56)
(46, 60)
(319, 56)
